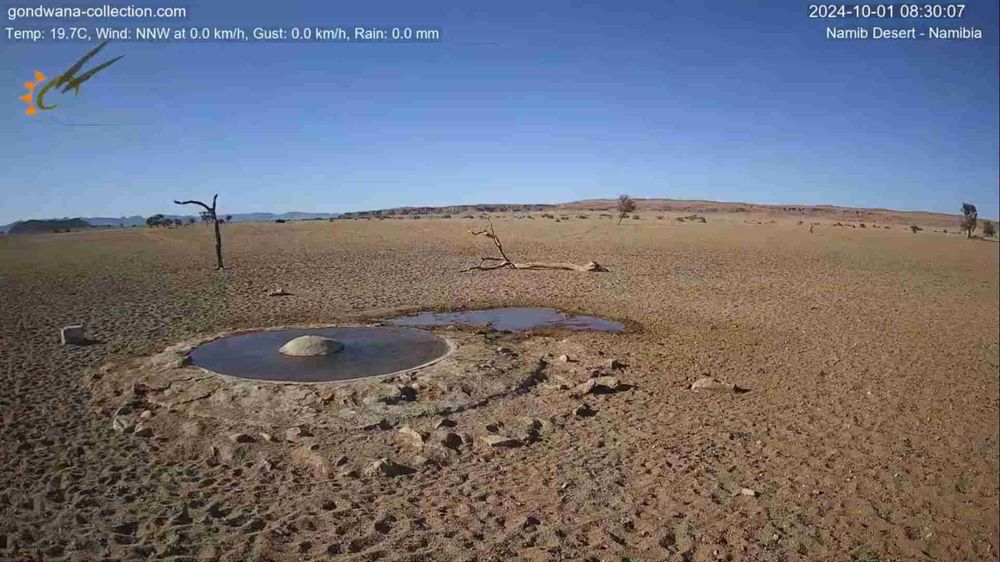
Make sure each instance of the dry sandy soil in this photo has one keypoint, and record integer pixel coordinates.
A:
(869, 432)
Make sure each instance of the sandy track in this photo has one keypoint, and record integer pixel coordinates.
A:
(870, 428)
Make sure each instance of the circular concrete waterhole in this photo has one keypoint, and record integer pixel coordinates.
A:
(366, 352)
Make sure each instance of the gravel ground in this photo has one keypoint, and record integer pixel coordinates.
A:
(870, 428)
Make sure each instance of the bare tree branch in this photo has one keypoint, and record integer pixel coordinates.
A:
(491, 263)
(215, 219)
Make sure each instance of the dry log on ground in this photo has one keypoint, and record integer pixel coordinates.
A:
(490, 263)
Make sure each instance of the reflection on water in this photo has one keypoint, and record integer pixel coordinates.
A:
(367, 352)
(511, 320)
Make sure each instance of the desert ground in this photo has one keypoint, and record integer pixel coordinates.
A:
(869, 429)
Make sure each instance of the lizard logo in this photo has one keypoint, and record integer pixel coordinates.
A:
(66, 81)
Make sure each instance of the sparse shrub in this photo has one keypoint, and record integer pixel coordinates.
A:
(415, 217)
(635, 217)
(970, 218)
(863, 225)
(989, 229)
(583, 216)
(564, 217)
(446, 216)
(548, 216)
(280, 221)
(606, 216)
(679, 219)
(625, 206)
(915, 229)
(945, 231)
(800, 223)
(659, 217)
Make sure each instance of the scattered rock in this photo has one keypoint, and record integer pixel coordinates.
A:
(708, 383)
(146, 414)
(494, 427)
(143, 431)
(278, 292)
(386, 467)
(505, 351)
(295, 434)
(266, 436)
(497, 441)
(565, 359)
(451, 440)
(311, 346)
(382, 424)
(583, 411)
(412, 436)
(598, 385)
(121, 424)
(748, 492)
(242, 438)
(444, 422)
(310, 457)
(341, 460)
(72, 335)
(615, 365)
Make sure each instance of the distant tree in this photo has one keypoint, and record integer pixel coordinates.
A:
(970, 218)
(210, 213)
(989, 230)
(191, 220)
(155, 221)
(229, 218)
(205, 216)
(178, 222)
(625, 206)
(915, 228)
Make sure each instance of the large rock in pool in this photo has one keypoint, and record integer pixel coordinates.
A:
(311, 346)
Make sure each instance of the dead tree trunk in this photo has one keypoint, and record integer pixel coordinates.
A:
(491, 263)
(215, 219)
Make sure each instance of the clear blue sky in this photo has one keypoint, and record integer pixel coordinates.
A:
(519, 102)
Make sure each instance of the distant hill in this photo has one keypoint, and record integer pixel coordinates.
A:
(50, 225)
(39, 225)
(805, 212)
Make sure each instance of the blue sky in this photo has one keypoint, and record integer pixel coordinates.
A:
(518, 102)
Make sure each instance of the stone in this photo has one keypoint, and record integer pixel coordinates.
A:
(311, 458)
(296, 433)
(583, 411)
(564, 359)
(278, 292)
(146, 414)
(72, 335)
(451, 440)
(122, 424)
(311, 346)
(748, 492)
(389, 468)
(615, 365)
(242, 438)
(444, 422)
(708, 383)
(497, 441)
(411, 436)
(143, 431)
(598, 385)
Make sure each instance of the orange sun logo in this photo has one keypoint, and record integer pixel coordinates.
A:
(26, 98)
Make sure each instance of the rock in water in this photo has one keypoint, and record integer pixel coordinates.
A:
(311, 346)
(73, 335)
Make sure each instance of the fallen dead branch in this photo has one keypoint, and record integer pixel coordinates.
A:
(490, 263)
